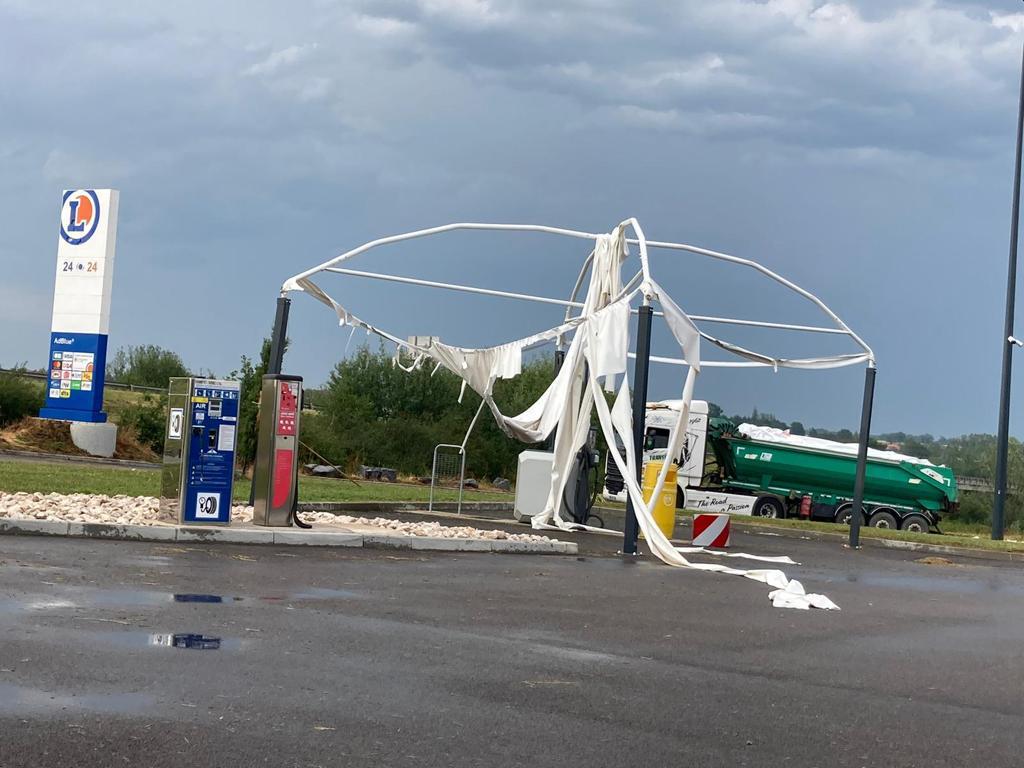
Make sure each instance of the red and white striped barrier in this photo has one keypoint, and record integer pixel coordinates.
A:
(711, 530)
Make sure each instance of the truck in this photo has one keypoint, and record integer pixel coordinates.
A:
(747, 469)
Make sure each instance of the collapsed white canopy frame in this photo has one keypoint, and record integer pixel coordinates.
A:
(597, 352)
(302, 282)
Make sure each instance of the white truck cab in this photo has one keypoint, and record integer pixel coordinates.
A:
(661, 417)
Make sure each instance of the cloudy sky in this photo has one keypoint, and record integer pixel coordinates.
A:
(863, 149)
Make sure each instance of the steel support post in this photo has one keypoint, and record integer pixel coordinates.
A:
(1003, 437)
(279, 335)
(862, 455)
(640, 371)
(277, 343)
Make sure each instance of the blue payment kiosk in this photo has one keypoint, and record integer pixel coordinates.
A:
(199, 451)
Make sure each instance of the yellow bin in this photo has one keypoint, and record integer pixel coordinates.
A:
(665, 509)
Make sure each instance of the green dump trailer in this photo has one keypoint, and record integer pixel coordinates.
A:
(751, 470)
(814, 478)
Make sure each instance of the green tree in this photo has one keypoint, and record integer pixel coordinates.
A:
(146, 365)
(250, 376)
(372, 412)
(19, 397)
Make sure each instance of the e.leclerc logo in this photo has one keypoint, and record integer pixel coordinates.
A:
(79, 216)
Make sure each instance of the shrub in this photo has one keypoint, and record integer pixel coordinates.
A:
(19, 397)
(148, 419)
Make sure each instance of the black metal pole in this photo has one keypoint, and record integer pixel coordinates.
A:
(862, 455)
(277, 343)
(1003, 437)
(640, 370)
(279, 335)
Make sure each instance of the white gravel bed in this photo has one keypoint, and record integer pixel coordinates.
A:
(425, 528)
(144, 510)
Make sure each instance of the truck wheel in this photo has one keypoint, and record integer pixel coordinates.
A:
(845, 513)
(883, 518)
(915, 524)
(769, 506)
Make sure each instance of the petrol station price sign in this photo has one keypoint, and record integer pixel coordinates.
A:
(81, 305)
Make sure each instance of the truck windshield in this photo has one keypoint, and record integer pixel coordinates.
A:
(655, 438)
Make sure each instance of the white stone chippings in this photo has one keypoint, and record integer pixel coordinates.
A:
(144, 510)
(80, 508)
(426, 528)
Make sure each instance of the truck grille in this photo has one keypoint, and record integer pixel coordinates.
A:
(612, 477)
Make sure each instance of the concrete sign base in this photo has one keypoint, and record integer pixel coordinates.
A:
(96, 439)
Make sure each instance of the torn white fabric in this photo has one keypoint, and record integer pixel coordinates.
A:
(480, 368)
(671, 555)
(572, 433)
(779, 559)
(794, 596)
(608, 338)
(597, 353)
(416, 362)
(686, 333)
(808, 363)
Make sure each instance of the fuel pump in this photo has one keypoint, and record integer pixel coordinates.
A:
(533, 484)
(583, 483)
(276, 473)
(199, 450)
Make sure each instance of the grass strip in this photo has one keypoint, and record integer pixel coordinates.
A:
(33, 477)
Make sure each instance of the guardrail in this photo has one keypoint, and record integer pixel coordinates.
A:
(967, 483)
(115, 384)
(964, 482)
(309, 403)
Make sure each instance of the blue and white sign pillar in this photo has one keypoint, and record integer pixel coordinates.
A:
(81, 305)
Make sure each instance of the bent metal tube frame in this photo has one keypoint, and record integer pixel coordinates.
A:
(593, 336)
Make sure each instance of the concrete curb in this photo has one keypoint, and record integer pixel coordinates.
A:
(122, 532)
(222, 535)
(37, 527)
(319, 538)
(403, 506)
(868, 541)
(442, 544)
(745, 526)
(942, 549)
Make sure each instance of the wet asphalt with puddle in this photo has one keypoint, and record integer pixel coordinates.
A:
(128, 653)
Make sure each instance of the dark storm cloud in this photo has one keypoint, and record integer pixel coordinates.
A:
(860, 147)
(927, 77)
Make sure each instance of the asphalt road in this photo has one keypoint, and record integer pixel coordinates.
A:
(370, 658)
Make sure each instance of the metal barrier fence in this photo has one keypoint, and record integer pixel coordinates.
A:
(447, 465)
(108, 383)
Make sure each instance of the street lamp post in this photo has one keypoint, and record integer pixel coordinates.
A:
(1003, 438)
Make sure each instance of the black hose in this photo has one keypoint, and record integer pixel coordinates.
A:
(583, 467)
(293, 513)
(294, 517)
(565, 501)
(593, 499)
